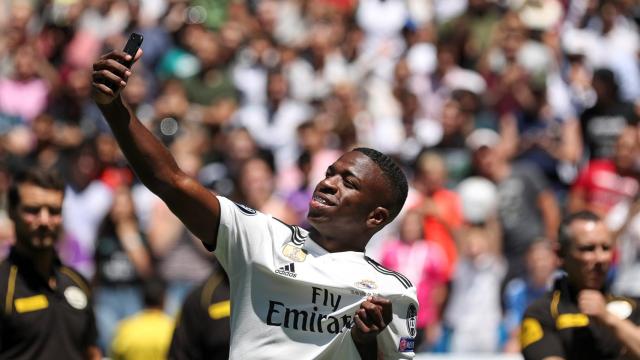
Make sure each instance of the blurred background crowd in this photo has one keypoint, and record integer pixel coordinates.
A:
(505, 114)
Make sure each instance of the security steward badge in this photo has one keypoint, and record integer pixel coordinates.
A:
(31, 303)
(531, 332)
(75, 297)
(620, 308)
(294, 253)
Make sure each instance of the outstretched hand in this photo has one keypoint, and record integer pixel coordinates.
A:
(371, 318)
(110, 75)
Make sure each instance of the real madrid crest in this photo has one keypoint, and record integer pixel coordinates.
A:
(366, 284)
(75, 297)
(294, 253)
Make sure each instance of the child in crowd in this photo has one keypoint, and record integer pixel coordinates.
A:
(424, 262)
(473, 314)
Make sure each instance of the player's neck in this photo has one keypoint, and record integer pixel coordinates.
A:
(334, 244)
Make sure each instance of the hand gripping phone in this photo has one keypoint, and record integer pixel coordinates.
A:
(132, 46)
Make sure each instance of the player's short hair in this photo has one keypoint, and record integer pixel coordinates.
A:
(394, 175)
(565, 235)
(47, 179)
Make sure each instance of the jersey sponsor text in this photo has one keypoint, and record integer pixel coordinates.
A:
(279, 314)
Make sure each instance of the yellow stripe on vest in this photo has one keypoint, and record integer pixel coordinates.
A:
(566, 321)
(220, 310)
(11, 288)
(530, 332)
(32, 303)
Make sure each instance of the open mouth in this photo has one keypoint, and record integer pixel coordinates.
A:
(320, 201)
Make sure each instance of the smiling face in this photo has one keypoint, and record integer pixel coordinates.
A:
(351, 203)
(588, 257)
(37, 217)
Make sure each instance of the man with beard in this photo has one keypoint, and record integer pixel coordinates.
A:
(46, 307)
(579, 318)
(293, 293)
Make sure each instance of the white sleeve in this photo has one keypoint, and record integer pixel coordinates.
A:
(397, 340)
(242, 233)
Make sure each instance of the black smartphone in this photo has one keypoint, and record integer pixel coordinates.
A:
(132, 46)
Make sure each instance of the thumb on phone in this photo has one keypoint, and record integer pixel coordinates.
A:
(138, 55)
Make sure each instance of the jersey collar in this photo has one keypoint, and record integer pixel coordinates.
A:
(316, 250)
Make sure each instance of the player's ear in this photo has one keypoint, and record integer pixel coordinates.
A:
(378, 217)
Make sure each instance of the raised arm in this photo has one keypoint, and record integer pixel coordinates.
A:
(193, 204)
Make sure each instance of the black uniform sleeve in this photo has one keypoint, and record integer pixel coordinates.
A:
(635, 313)
(91, 332)
(202, 328)
(186, 343)
(538, 336)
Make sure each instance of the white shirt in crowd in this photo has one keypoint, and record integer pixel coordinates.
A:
(628, 244)
(84, 211)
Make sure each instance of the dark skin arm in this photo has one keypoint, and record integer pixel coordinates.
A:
(371, 318)
(192, 203)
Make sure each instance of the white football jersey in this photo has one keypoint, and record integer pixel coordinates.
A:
(290, 298)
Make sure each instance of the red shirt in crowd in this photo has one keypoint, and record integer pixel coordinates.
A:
(602, 187)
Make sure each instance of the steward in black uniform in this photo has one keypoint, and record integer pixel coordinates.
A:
(41, 322)
(202, 328)
(45, 307)
(580, 319)
(554, 326)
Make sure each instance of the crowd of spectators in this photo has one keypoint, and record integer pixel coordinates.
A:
(504, 114)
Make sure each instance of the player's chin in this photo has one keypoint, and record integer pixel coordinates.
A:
(318, 216)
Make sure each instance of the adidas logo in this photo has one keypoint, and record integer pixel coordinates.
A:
(287, 270)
